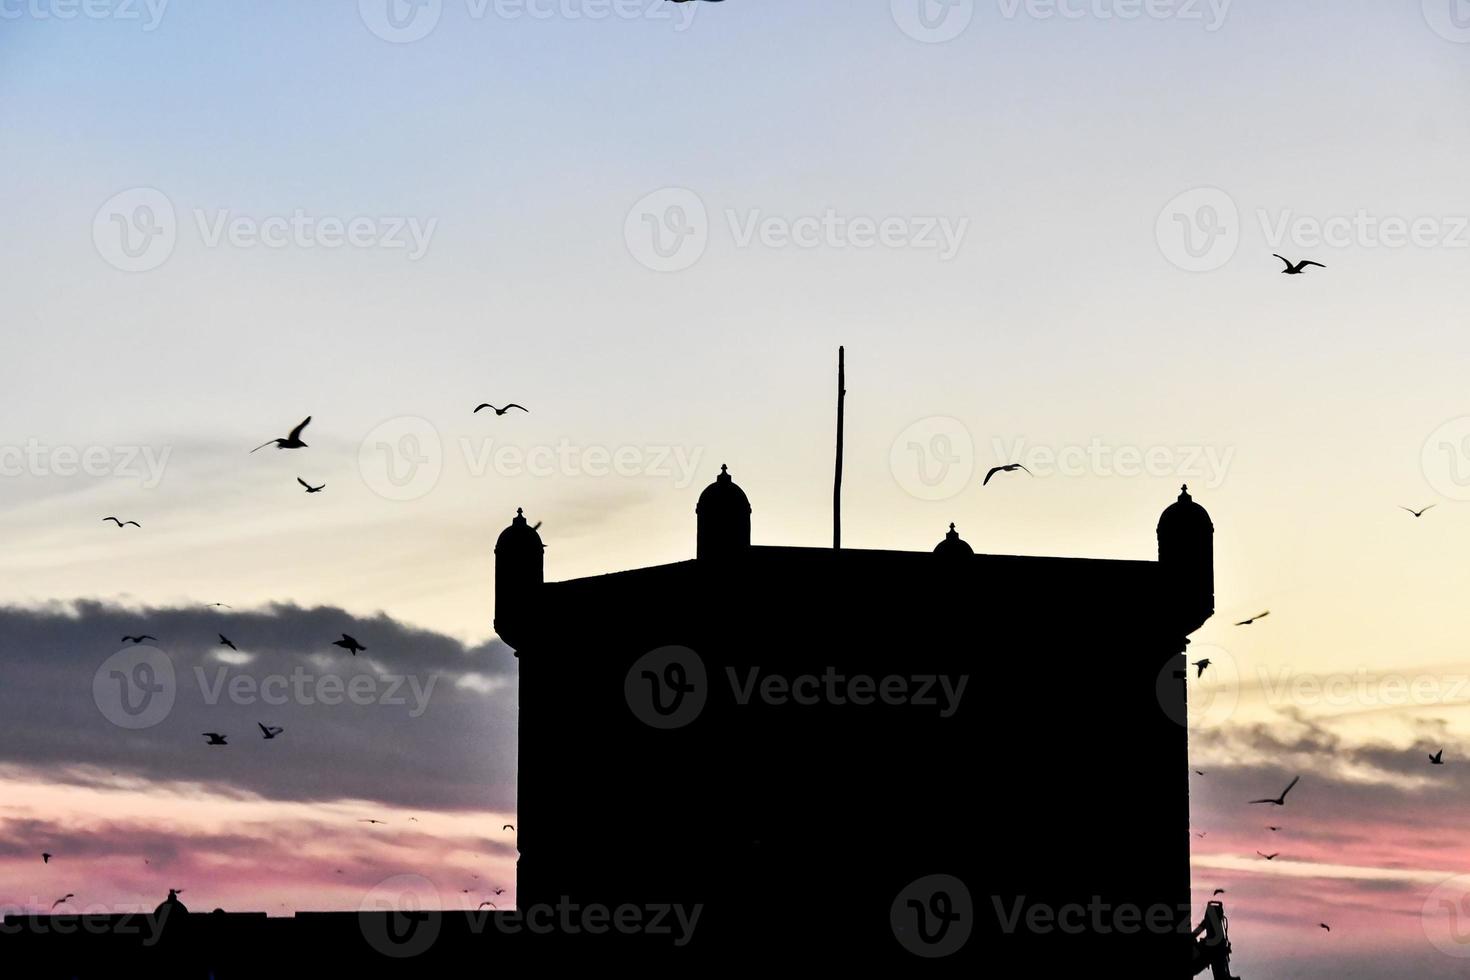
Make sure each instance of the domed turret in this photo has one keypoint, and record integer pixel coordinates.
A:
(953, 545)
(519, 571)
(724, 518)
(1187, 554)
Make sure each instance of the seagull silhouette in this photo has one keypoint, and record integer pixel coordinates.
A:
(1280, 800)
(220, 605)
(309, 487)
(370, 820)
(45, 857)
(225, 642)
(1008, 468)
(509, 826)
(63, 898)
(348, 643)
(1270, 857)
(1272, 828)
(1299, 268)
(499, 891)
(502, 411)
(1247, 622)
(270, 731)
(139, 639)
(1416, 513)
(292, 441)
(1325, 926)
(483, 904)
(122, 523)
(215, 738)
(1202, 664)
(1218, 891)
(1437, 759)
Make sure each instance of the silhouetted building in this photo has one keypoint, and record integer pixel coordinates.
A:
(793, 736)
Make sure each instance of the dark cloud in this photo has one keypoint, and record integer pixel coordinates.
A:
(420, 719)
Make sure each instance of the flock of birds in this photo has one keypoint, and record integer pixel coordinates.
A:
(291, 440)
(1435, 759)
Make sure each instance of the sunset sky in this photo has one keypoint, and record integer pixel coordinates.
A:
(1043, 230)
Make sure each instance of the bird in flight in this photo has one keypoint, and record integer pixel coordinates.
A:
(483, 904)
(219, 605)
(502, 411)
(1299, 268)
(1437, 759)
(270, 731)
(1201, 664)
(1273, 828)
(1008, 468)
(292, 441)
(63, 898)
(225, 642)
(215, 738)
(122, 523)
(509, 826)
(371, 820)
(1280, 800)
(500, 891)
(309, 487)
(1416, 513)
(1247, 622)
(1199, 772)
(139, 639)
(1324, 925)
(45, 857)
(348, 643)
(1218, 891)
(1270, 857)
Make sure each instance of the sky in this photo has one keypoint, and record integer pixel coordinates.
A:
(1043, 231)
